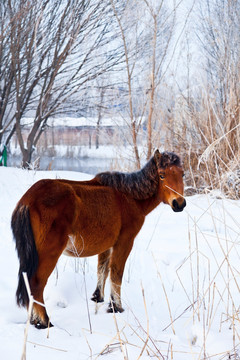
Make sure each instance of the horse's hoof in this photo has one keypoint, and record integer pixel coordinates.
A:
(40, 326)
(96, 297)
(113, 308)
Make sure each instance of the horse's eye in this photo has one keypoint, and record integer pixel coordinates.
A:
(161, 176)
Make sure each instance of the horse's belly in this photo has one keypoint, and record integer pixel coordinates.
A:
(97, 226)
(92, 241)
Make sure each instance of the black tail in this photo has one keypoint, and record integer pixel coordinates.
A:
(26, 249)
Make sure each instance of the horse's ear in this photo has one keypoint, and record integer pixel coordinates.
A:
(157, 157)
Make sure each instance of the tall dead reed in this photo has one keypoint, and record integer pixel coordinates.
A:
(206, 132)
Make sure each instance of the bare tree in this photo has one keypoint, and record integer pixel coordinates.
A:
(148, 52)
(162, 25)
(208, 110)
(6, 75)
(56, 49)
(131, 50)
(219, 38)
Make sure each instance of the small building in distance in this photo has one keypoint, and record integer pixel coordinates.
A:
(81, 131)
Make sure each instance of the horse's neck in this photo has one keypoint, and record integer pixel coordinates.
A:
(149, 204)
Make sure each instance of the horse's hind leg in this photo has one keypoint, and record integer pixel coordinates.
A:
(48, 258)
(39, 316)
(103, 270)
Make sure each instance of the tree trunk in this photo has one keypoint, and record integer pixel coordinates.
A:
(152, 92)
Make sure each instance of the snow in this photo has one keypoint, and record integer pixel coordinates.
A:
(183, 266)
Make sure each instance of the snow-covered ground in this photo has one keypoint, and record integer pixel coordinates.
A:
(181, 288)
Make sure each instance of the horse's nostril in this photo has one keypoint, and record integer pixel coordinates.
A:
(178, 207)
(175, 203)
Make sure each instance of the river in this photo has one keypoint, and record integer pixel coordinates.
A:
(87, 165)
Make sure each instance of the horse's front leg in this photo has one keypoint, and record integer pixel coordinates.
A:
(120, 253)
(102, 271)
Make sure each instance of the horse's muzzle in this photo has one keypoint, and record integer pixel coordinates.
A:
(178, 206)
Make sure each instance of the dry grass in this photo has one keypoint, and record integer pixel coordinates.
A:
(206, 135)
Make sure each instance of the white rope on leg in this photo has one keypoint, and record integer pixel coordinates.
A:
(30, 307)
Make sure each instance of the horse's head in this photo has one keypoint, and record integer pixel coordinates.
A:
(170, 174)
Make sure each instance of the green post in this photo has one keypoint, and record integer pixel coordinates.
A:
(3, 160)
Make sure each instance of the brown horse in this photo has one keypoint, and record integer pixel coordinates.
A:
(84, 218)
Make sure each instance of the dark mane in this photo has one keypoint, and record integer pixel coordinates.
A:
(141, 184)
(168, 159)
